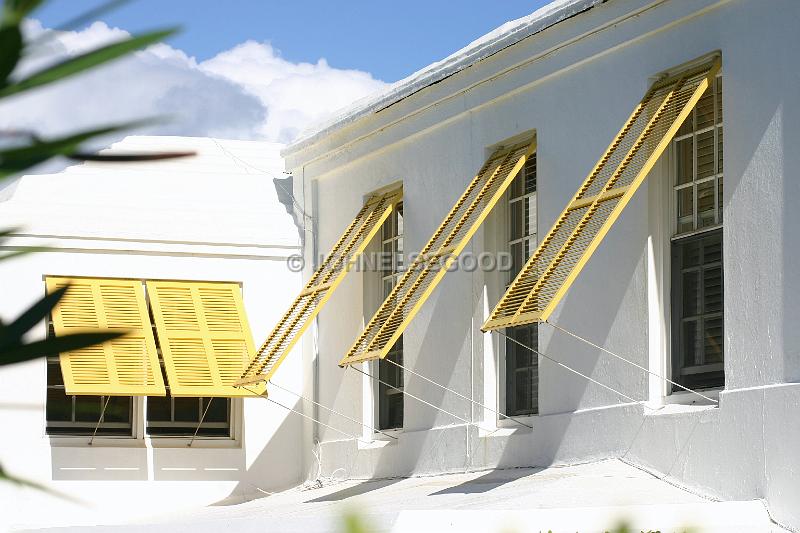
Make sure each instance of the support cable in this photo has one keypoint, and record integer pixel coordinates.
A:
(581, 374)
(295, 411)
(332, 410)
(99, 420)
(406, 393)
(405, 369)
(609, 352)
(201, 422)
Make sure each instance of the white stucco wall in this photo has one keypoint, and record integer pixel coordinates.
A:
(575, 84)
(214, 216)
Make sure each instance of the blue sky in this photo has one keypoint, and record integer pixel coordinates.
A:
(387, 39)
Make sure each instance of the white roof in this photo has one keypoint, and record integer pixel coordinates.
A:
(483, 47)
(225, 194)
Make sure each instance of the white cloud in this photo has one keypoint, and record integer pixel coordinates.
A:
(248, 92)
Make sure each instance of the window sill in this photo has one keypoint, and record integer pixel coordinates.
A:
(200, 442)
(687, 398)
(379, 440)
(679, 409)
(81, 441)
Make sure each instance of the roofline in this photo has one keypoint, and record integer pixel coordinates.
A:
(480, 49)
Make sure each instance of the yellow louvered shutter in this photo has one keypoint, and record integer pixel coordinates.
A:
(320, 287)
(127, 366)
(447, 242)
(569, 244)
(204, 336)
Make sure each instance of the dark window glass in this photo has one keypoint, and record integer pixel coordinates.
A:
(697, 306)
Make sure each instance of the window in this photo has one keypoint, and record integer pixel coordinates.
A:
(390, 400)
(696, 247)
(225, 343)
(78, 415)
(521, 364)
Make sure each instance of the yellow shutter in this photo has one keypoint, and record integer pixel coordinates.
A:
(320, 287)
(569, 244)
(447, 242)
(127, 366)
(204, 336)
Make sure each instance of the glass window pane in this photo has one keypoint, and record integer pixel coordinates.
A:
(87, 408)
(706, 204)
(187, 410)
(530, 174)
(719, 150)
(518, 259)
(687, 126)
(705, 110)
(118, 409)
(691, 344)
(705, 154)
(712, 290)
(517, 188)
(685, 209)
(59, 406)
(719, 198)
(399, 215)
(54, 376)
(713, 340)
(530, 215)
(691, 293)
(718, 84)
(218, 410)
(159, 408)
(684, 153)
(712, 248)
(517, 220)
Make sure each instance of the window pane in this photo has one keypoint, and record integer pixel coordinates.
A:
(713, 340)
(54, 376)
(712, 290)
(399, 218)
(705, 154)
(530, 215)
(530, 174)
(684, 154)
(687, 125)
(719, 198)
(712, 248)
(159, 408)
(719, 150)
(187, 410)
(705, 110)
(118, 409)
(59, 406)
(706, 204)
(517, 219)
(518, 259)
(691, 293)
(691, 344)
(718, 84)
(218, 410)
(685, 210)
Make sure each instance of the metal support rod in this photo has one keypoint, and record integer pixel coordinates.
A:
(609, 352)
(456, 393)
(200, 423)
(254, 393)
(332, 410)
(584, 376)
(99, 420)
(406, 393)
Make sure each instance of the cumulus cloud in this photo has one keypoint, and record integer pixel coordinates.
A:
(248, 92)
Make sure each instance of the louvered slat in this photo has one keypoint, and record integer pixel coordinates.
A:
(447, 242)
(551, 270)
(319, 288)
(204, 335)
(127, 366)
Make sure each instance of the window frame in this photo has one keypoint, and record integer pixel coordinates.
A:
(507, 239)
(663, 234)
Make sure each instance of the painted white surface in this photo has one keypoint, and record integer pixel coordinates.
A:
(211, 217)
(587, 498)
(574, 84)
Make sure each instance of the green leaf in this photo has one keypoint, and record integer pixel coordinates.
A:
(5, 476)
(120, 158)
(64, 343)
(16, 10)
(83, 62)
(10, 51)
(12, 333)
(83, 19)
(26, 251)
(15, 160)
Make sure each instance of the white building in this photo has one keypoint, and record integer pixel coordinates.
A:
(556, 86)
(215, 217)
(569, 76)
